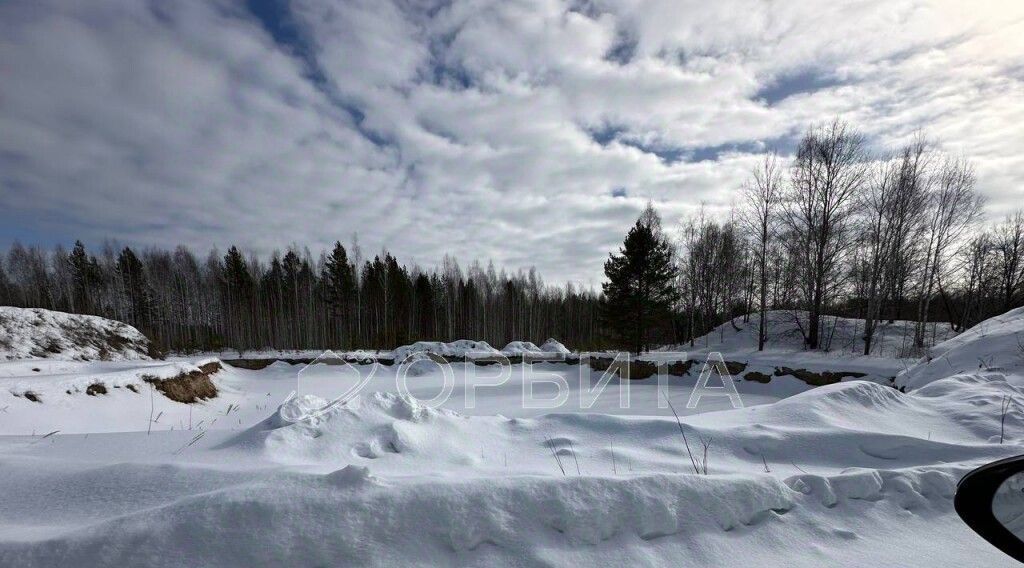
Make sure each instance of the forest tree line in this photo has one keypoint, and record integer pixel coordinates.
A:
(296, 301)
(834, 230)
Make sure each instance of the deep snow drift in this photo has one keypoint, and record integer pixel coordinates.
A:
(995, 345)
(850, 474)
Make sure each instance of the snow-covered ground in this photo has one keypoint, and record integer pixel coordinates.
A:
(849, 474)
(892, 349)
(842, 337)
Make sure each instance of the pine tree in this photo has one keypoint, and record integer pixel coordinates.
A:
(640, 291)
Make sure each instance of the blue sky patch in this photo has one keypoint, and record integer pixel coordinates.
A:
(807, 80)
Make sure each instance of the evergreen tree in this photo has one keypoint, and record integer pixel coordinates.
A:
(375, 299)
(339, 285)
(399, 290)
(237, 290)
(423, 294)
(640, 291)
(136, 289)
(85, 277)
(292, 292)
(6, 290)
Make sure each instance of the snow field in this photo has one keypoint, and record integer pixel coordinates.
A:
(856, 473)
(384, 480)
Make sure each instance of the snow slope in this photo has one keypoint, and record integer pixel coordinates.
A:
(43, 395)
(892, 352)
(995, 345)
(841, 337)
(36, 333)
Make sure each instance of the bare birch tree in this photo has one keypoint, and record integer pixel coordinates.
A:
(953, 207)
(762, 195)
(1008, 245)
(829, 170)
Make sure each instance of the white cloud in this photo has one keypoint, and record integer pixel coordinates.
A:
(462, 127)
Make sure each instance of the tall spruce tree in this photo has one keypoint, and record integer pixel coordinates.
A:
(640, 291)
(237, 293)
(339, 285)
(85, 278)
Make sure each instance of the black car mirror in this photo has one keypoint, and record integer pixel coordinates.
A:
(990, 500)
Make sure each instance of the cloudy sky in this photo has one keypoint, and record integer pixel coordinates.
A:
(530, 132)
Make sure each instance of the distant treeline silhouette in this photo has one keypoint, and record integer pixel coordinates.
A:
(296, 301)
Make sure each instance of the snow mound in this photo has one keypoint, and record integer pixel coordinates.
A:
(521, 348)
(996, 344)
(846, 396)
(554, 346)
(351, 476)
(310, 430)
(458, 348)
(420, 364)
(550, 347)
(298, 408)
(32, 333)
